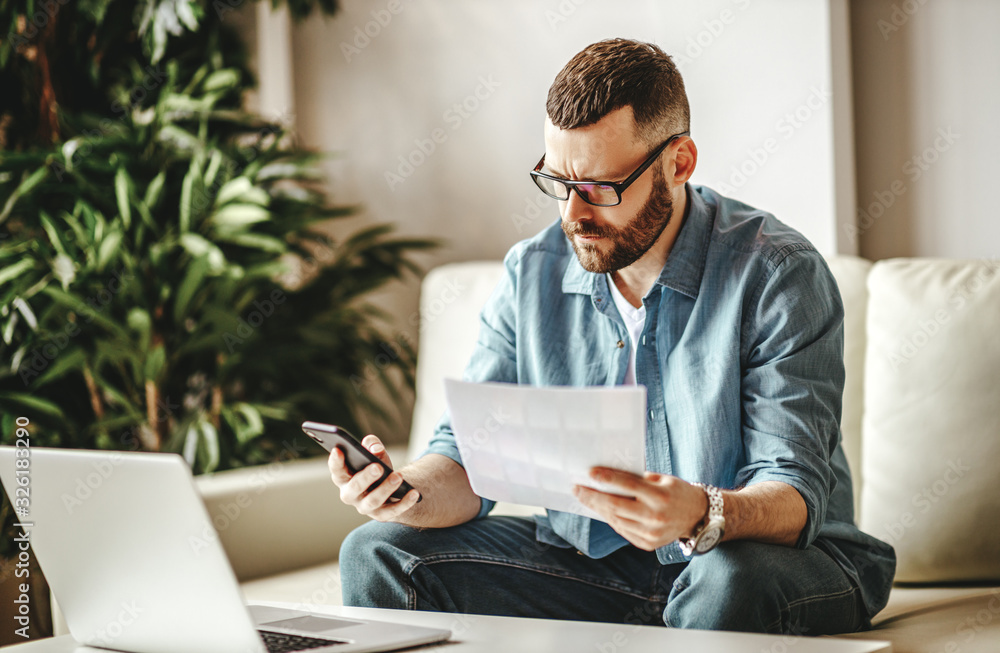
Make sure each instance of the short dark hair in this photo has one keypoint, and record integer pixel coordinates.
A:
(614, 73)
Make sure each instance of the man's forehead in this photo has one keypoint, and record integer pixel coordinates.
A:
(604, 149)
(616, 128)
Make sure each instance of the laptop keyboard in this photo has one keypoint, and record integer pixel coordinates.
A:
(282, 642)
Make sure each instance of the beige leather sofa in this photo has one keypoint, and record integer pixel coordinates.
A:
(921, 429)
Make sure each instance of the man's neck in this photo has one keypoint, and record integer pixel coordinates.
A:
(635, 281)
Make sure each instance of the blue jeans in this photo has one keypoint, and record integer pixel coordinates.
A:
(495, 566)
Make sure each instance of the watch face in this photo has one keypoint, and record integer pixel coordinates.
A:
(709, 538)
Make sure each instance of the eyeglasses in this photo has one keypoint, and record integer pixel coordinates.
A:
(597, 193)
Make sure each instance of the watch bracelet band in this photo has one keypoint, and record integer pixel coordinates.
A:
(714, 511)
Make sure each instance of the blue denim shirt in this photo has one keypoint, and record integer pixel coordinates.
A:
(741, 355)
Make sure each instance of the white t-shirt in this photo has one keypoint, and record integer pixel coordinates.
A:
(635, 319)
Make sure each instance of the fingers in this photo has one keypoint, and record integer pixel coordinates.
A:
(363, 490)
(375, 497)
(373, 444)
(338, 469)
(359, 486)
(628, 483)
(377, 503)
(391, 511)
(611, 505)
(636, 535)
(630, 518)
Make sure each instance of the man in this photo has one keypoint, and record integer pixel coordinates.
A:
(733, 323)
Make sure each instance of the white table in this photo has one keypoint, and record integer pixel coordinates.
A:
(483, 634)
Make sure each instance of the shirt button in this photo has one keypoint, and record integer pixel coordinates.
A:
(652, 414)
(621, 345)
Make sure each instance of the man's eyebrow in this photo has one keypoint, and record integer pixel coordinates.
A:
(562, 175)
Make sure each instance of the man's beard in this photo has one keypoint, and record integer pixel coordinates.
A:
(629, 243)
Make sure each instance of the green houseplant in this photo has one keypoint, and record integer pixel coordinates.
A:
(166, 280)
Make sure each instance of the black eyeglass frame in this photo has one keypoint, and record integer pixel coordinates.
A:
(619, 188)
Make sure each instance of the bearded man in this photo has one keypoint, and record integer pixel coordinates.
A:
(733, 323)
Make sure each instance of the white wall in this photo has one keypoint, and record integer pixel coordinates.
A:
(927, 115)
(383, 79)
(757, 72)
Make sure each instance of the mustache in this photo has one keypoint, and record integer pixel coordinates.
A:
(584, 229)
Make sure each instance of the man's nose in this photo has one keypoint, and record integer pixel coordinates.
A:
(575, 209)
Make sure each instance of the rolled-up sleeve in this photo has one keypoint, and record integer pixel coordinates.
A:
(494, 358)
(793, 382)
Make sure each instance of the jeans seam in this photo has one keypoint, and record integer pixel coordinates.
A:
(811, 599)
(679, 586)
(787, 611)
(408, 568)
(411, 594)
(550, 571)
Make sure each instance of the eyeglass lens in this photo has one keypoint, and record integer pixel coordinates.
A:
(593, 193)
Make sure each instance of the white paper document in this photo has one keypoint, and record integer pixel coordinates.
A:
(530, 445)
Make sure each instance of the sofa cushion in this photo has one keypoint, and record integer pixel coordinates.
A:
(939, 620)
(451, 297)
(278, 517)
(851, 274)
(931, 445)
(302, 588)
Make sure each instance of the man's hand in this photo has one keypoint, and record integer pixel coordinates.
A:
(357, 490)
(660, 509)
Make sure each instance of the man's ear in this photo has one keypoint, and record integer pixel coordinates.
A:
(685, 160)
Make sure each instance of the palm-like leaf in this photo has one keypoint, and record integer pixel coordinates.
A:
(142, 244)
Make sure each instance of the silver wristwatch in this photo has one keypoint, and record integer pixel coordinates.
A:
(709, 532)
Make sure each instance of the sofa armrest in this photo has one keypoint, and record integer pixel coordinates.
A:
(279, 517)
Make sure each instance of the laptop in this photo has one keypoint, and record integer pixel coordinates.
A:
(131, 555)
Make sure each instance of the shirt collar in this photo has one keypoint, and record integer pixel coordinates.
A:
(685, 264)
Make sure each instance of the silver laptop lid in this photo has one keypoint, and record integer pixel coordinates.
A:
(133, 567)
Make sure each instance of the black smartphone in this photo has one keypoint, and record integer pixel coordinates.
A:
(356, 456)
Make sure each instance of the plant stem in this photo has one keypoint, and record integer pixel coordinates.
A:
(95, 397)
(216, 408)
(152, 401)
(48, 122)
